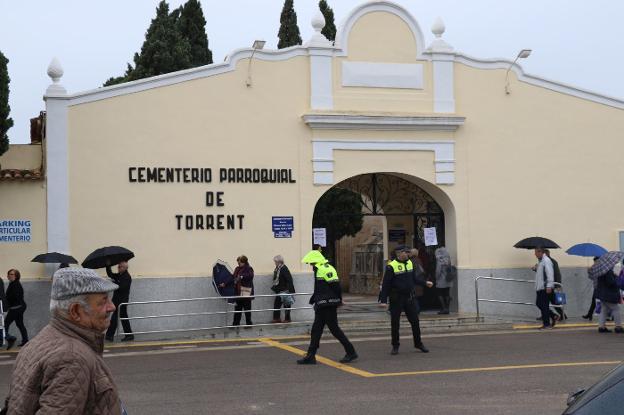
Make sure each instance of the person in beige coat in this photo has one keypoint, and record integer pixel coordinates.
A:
(61, 370)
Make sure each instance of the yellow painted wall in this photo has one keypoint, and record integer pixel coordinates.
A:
(211, 122)
(23, 200)
(538, 162)
(22, 157)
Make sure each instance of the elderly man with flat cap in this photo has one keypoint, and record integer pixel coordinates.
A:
(399, 283)
(61, 370)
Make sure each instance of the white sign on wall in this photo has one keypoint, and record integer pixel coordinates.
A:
(431, 237)
(15, 230)
(319, 236)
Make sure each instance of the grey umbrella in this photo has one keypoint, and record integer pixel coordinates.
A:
(605, 263)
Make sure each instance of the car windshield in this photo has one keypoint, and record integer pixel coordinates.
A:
(610, 379)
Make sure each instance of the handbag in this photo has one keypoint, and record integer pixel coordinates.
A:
(451, 273)
(560, 298)
(245, 291)
(287, 298)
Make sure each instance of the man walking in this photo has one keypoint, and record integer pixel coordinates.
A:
(557, 277)
(326, 298)
(123, 279)
(61, 370)
(544, 284)
(398, 285)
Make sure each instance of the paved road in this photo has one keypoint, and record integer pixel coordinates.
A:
(471, 373)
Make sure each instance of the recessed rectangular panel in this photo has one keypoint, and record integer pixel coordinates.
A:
(382, 75)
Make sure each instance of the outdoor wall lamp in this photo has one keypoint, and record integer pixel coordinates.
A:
(523, 54)
(257, 45)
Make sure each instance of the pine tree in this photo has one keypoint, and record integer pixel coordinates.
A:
(120, 79)
(289, 31)
(329, 31)
(164, 50)
(339, 211)
(192, 26)
(5, 109)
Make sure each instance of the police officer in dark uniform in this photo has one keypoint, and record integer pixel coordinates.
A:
(398, 285)
(326, 298)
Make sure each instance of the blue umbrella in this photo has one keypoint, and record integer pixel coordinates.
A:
(586, 249)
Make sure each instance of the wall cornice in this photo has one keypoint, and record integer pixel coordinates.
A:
(382, 122)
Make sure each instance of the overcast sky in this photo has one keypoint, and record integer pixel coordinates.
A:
(578, 42)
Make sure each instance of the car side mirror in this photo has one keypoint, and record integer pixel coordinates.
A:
(574, 396)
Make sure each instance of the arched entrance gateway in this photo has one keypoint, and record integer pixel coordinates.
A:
(376, 213)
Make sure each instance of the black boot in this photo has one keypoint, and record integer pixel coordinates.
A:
(421, 347)
(308, 359)
(395, 350)
(443, 305)
(349, 358)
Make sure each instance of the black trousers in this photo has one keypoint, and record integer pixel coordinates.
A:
(592, 307)
(542, 302)
(327, 316)
(240, 306)
(17, 316)
(278, 304)
(122, 311)
(408, 304)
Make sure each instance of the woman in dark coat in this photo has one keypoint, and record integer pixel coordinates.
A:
(282, 283)
(608, 292)
(16, 308)
(243, 275)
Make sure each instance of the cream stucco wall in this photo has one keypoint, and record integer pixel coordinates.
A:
(214, 122)
(22, 157)
(537, 162)
(23, 200)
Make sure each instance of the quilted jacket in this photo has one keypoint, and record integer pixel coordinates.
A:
(61, 371)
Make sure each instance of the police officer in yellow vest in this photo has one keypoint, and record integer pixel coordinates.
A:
(398, 285)
(326, 298)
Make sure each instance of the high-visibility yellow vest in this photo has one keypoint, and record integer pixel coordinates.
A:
(400, 267)
(327, 273)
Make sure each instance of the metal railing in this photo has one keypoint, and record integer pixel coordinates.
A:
(2, 324)
(225, 313)
(558, 286)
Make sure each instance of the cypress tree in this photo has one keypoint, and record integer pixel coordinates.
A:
(288, 34)
(5, 109)
(329, 31)
(164, 50)
(192, 26)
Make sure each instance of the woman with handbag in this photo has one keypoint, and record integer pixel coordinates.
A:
(282, 284)
(243, 275)
(16, 308)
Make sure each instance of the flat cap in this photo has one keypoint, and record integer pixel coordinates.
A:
(73, 281)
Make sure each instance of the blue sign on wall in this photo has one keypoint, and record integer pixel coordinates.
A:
(15, 231)
(283, 226)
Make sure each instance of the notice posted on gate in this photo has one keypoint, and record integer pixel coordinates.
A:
(15, 230)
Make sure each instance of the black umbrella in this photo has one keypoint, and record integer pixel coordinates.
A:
(109, 255)
(54, 258)
(536, 242)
